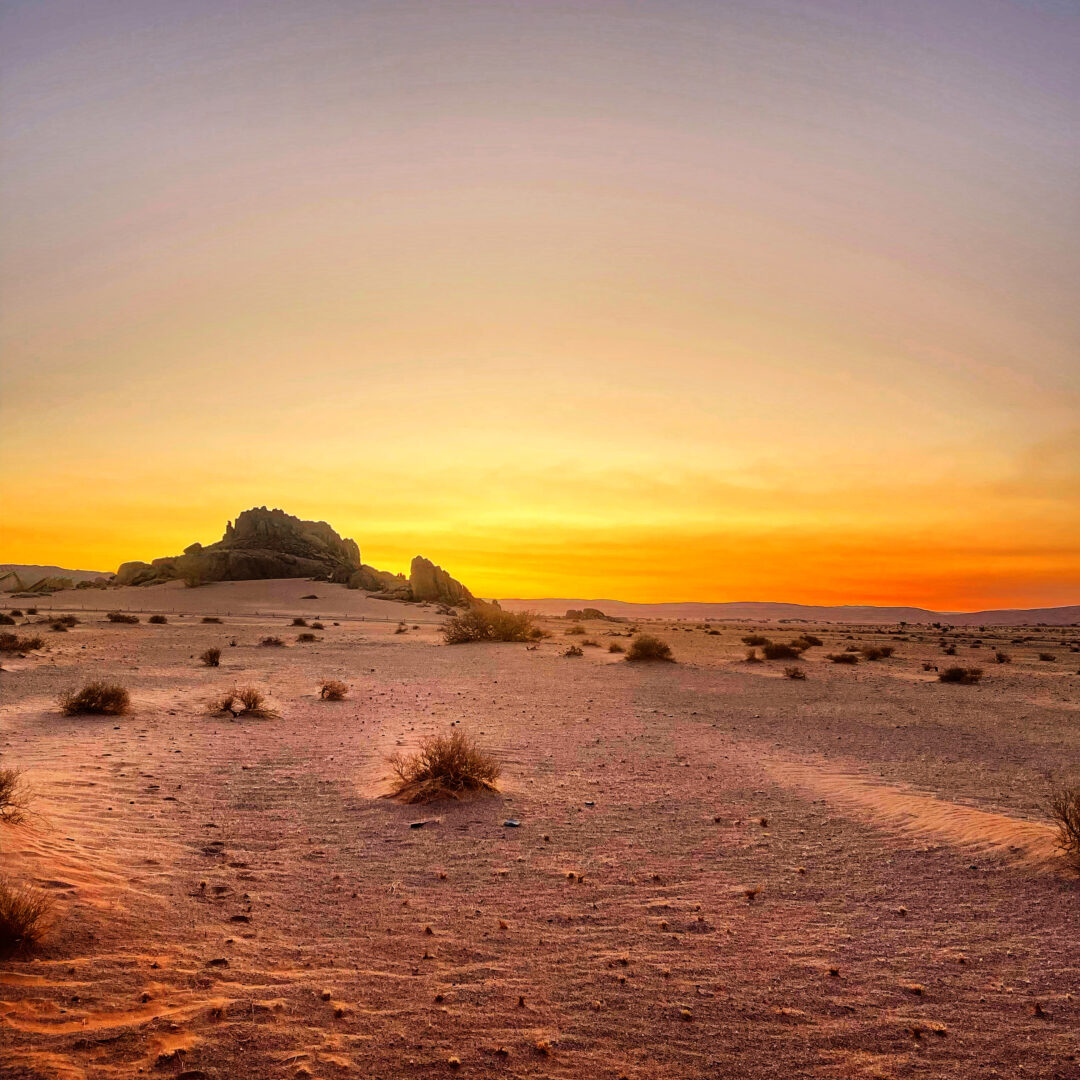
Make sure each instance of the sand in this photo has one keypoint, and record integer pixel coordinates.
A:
(702, 845)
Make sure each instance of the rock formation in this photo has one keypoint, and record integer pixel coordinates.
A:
(272, 544)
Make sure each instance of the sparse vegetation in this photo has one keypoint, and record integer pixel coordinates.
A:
(96, 698)
(24, 917)
(444, 766)
(842, 658)
(1002, 657)
(756, 639)
(58, 627)
(317, 626)
(14, 644)
(245, 701)
(752, 657)
(876, 652)
(577, 629)
(210, 619)
(306, 638)
(590, 643)
(299, 621)
(963, 675)
(777, 651)
(1047, 657)
(1065, 810)
(488, 623)
(271, 643)
(794, 673)
(15, 796)
(401, 628)
(573, 650)
(120, 617)
(157, 620)
(211, 658)
(615, 647)
(646, 647)
(6, 620)
(333, 690)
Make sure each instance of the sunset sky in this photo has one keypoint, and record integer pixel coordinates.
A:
(642, 299)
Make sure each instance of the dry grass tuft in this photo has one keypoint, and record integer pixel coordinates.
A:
(573, 650)
(333, 690)
(157, 620)
(211, 658)
(24, 917)
(1065, 810)
(877, 652)
(245, 701)
(488, 623)
(210, 619)
(794, 673)
(15, 796)
(646, 647)
(299, 621)
(120, 617)
(964, 675)
(756, 639)
(96, 698)
(778, 651)
(842, 658)
(615, 647)
(14, 644)
(306, 638)
(445, 766)
(272, 643)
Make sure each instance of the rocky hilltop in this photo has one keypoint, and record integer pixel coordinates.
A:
(264, 543)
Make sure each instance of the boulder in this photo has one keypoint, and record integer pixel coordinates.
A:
(432, 583)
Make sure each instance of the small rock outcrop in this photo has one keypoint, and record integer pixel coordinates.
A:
(265, 543)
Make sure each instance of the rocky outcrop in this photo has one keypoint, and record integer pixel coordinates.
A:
(260, 544)
(265, 543)
(429, 582)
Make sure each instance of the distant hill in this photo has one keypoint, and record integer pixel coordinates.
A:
(768, 612)
(29, 574)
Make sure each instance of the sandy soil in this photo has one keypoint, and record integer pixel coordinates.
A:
(234, 901)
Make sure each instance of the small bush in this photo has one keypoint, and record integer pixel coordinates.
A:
(590, 643)
(960, 675)
(14, 644)
(24, 917)
(444, 766)
(58, 627)
(333, 690)
(646, 647)
(615, 647)
(271, 643)
(120, 617)
(16, 611)
(756, 639)
(1002, 657)
(810, 641)
(317, 626)
(247, 701)
(573, 650)
(210, 619)
(68, 620)
(949, 650)
(15, 796)
(1047, 656)
(842, 658)
(6, 620)
(31, 611)
(876, 652)
(488, 623)
(794, 673)
(157, 620)
(777, 651)
(578, 629)
(299, 621)
(96, 698)
(1065, 810)
(211, 658)
(752, 657)
(401, 628)
(306, 639)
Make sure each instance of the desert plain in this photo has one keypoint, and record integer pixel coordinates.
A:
(690, 869)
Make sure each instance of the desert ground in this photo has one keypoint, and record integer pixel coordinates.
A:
(717, 871)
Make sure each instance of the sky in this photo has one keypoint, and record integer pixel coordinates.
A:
(642, 299)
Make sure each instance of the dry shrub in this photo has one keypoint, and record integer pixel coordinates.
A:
(949, 650)
(752, 657)
(646, 647)
(272, 643)
(1002, 657)
(876, 652)
(15, 796)
(333, 690)
(615, 647)
(96, 698)
(306, 638)
(1065, 810)
(961, 675)
(16, 611)
(317, 626)
(299, 621)
(756, 639)
(401, 628)
(6, 620)
(591, 644)
(69, 620)
(15, 644)
(810, 640)
(1047, 656)
(157, 620)
(210, 619)
(794, 673)
(24, 917)
(58, 627)
(842, 658)
(245, 701)
(120, 617)
(488, 623)
(31, 611)
(576, 629)
(777, 651)
(573, 650)
(444, 766)
(211, 658)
